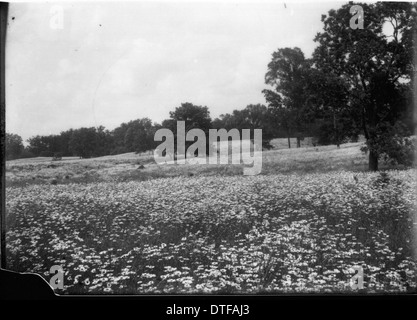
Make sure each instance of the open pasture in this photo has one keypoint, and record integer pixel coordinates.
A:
(300, 226)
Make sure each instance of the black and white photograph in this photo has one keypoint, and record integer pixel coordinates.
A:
(210, 148)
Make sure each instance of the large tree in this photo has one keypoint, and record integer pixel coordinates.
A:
(65, 137)
(375, 64)
(195, 117)
(39, 145)
(306, 100)
(327, 105)
(139, 135)
(83, 142)
(254, 116)
(286, 75)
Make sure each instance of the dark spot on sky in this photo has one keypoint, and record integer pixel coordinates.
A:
(100, 25)
(12, 18)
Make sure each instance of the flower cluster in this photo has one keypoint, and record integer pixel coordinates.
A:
(236, 234)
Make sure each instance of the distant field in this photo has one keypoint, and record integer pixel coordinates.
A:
(125, 167)
(300, 226)
(282, 143)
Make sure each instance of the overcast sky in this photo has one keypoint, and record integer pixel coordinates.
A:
(114, 62)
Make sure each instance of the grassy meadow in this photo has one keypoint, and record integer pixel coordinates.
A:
(123, 224)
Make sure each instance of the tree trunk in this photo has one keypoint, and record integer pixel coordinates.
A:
(298, 142)
(336, 132)
(373, 156)
(373, 161)
(289, 143)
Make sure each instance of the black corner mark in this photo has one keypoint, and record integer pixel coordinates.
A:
(17, 286)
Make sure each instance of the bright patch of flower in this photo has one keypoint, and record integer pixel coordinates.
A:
(240, 234)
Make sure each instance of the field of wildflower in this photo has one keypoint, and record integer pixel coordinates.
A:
(275, 233)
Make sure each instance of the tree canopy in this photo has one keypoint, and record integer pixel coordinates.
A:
(373, 64)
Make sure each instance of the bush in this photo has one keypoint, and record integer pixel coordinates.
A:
(392, 143)
(266, 144)
(57, 156)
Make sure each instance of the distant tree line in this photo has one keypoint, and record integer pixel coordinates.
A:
(358, 81)
(134, 136)
(138, 135)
